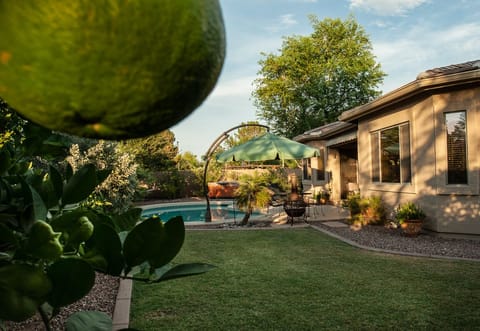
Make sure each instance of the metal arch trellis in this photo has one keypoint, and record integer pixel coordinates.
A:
(208, 157)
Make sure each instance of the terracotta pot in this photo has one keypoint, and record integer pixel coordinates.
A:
(411, 227)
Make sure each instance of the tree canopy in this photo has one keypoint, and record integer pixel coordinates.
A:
(245, 133)
(155, 152)
(316, 77)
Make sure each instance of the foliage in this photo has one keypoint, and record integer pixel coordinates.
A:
(316, 77)
(278, 178)
(51, 243)
(117, 191)
(11, 124)
(155, 153)
(170, 184)
(252, 193)
(191, 169)
(244, 134)
(365, 211)
(187, 161)
(322, 195)
(409, 211)
(372, 210)
(353, 204)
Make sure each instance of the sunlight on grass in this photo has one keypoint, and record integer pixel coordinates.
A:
(301, 279)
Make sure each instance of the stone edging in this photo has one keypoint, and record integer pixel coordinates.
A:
(388, 251)
(121, 312)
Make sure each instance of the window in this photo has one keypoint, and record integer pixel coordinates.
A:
(456, 147)
(315, 166)
(390, 150)
(307, 169)
(320, 168)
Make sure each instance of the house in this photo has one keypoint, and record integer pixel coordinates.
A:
(420, 143)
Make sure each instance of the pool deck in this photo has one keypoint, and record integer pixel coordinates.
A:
(276, 215)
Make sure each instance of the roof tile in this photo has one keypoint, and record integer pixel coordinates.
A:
(451, 69)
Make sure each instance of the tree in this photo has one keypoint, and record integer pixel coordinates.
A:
(156, 152)
(187, 161)
(252, 193)
(316, 77)
(244, 134)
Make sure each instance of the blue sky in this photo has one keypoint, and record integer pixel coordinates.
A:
(408, 37)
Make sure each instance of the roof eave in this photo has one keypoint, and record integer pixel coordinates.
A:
(411, 90)
(303, 138)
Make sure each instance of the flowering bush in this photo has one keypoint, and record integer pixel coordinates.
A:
(117, 191)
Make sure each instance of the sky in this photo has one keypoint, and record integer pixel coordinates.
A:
(407, 36)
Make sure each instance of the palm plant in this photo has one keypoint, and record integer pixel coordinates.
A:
(252, 193)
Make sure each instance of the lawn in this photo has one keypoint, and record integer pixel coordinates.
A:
(301, 279)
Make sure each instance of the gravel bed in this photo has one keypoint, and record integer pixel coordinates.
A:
(102, 297)
(392, 239)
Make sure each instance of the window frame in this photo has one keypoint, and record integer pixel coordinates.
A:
(472, 144)
(465, 149)
(376, 161)
(307, 169)
(310, 172)
(320, 172)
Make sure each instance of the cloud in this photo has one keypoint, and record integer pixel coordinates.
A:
(241, 86)
(387, 7)
(283, 22)
(422, 48)
(287, 20)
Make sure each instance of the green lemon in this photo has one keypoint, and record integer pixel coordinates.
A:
(22, 289)
(81, 231)
(43, 242)
(109, 69)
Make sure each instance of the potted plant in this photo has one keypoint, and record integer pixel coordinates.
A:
(325, 197)
(321, 197)
(410, 217)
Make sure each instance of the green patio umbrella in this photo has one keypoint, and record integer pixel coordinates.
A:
(268, 147)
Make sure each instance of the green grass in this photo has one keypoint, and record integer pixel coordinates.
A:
(301, 279)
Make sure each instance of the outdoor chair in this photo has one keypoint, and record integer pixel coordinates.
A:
(277, 197)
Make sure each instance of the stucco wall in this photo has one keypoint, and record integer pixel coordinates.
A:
(450, 208)
(314, 185)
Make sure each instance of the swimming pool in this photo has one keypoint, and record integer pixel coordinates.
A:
(195, 211)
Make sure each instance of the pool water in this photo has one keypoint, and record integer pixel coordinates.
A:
(195, 212)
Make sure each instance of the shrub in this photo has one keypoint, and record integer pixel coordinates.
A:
(353, 204)
(365, 211)
(373, 211)
(117, 192)
(409, 211)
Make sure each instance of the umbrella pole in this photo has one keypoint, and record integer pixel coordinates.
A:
(208, 212)
(213, 147)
